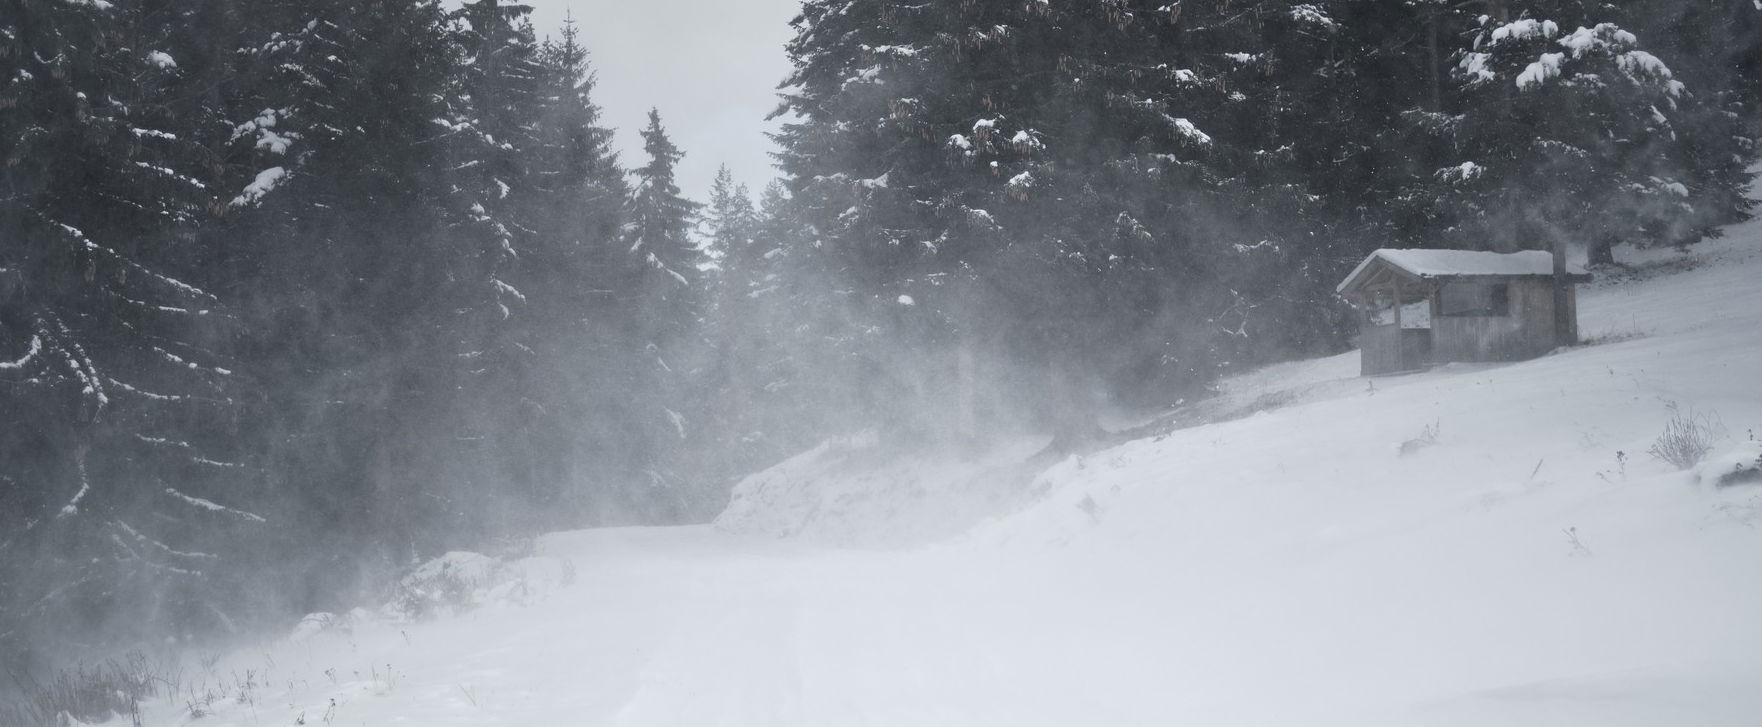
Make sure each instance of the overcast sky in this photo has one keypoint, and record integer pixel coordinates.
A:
(710, 66)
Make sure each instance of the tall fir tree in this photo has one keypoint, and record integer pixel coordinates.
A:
(664, 293)
(1031, 180)
(122, 485)
(736, 330)
(1566, 138)
(564, 440)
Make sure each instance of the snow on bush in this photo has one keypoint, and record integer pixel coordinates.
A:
(461, 581)
(1737, 465)
(321, 622)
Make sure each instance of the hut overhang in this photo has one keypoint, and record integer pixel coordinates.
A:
(1423, 268)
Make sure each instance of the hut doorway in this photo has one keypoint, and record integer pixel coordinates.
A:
(1396, 333)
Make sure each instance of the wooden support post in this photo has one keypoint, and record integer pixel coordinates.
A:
(1400, 337)
(1565, 325)
(1395, 286)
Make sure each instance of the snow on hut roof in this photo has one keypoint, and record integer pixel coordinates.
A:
(1459, 263)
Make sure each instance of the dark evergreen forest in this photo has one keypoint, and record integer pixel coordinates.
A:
(294, 293)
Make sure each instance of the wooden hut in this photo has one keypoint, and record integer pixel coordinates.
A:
(1421, 307)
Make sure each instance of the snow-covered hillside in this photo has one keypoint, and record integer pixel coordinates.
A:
(1476, 545)
(853, 492)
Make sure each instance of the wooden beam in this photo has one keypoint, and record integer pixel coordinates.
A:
(1397, 287)
(1565, 332)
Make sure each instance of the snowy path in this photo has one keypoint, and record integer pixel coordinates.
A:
(1291, 568)
(1333, 626)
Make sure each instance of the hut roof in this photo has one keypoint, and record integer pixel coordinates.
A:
(1432, 264)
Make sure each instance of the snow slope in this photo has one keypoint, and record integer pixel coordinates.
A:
(851, 492)
(1294, 567)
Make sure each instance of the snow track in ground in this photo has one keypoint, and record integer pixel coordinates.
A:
(1290, 568)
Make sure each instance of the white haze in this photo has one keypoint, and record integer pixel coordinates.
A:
(1461, 547)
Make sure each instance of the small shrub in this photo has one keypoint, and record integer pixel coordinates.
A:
(450, 584)
(443, 593)
(1428, 437)
(1687, 438)
(566, 576)
(1578, 548)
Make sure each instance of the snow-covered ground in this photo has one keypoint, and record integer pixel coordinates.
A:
(853, 492)
(1529, 565)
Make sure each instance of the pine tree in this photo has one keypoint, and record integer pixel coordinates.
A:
(729, 218)
(509, 95)
(804, 336)
(368, 191)
(556, 436)
(1566, 138)
(664, 295)
(122, 489)
(1715, 49)
(738, 330)
(659, 220)
(1036, 179)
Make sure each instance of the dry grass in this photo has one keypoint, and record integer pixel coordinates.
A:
(1428, 437)
(85, 693)
(1687, 438)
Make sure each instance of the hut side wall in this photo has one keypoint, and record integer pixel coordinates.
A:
(1525, 332)
(1391, 350)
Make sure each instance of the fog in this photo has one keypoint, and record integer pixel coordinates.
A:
(331, 328)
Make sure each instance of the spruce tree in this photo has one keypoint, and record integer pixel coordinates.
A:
(558, 440)
(664, 295)
(123, 489)
(1037, 181)
(737, 330)
(1566, 138)
(659, 218)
